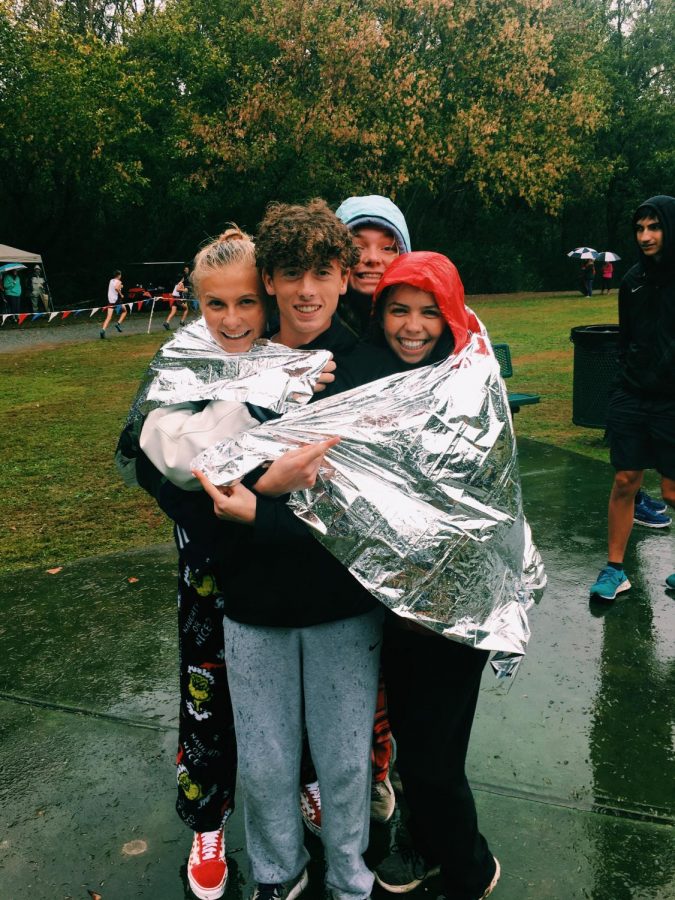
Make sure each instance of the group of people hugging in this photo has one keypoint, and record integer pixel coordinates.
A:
(292, 675)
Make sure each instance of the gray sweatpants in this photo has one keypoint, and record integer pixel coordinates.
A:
(327, 676)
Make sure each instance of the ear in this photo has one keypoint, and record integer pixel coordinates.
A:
(268, 281)
(344, 279)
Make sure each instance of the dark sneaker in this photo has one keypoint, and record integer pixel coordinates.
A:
(403, 871)
(382, 801)
(645, 515)
(207, 866)
(310, 806)
(489, 889)
(610, 583)
(167, 326)
(670, 581)
(118, 327)
(657, 506)
(101, 334)
(281, 891)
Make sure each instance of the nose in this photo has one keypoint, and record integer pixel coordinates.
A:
(414, 323)
(370, 255)
(306, 285)
(231, 318)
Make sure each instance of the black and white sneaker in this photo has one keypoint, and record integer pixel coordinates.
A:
(287, 891)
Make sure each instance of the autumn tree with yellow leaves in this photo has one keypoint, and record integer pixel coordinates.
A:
(144, 126)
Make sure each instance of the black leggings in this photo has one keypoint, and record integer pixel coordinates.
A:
(432, 689)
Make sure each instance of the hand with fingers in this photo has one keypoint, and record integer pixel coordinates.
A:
(326, 377)
(295, 470)
(234, 503)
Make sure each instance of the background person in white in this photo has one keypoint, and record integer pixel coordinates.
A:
(115, 296)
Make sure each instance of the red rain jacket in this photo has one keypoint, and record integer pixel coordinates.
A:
(435, 274)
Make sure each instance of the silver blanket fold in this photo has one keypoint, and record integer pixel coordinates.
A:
(421, 500)
(193, 367)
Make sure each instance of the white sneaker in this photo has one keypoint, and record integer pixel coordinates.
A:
(382, 801)
(207, 866)
(310, 806)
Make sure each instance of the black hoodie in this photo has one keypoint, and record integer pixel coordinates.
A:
(647, 311)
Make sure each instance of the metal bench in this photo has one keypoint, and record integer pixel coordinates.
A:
(516, 400)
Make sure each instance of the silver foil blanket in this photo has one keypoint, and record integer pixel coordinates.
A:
(421, 499)
(193, 366)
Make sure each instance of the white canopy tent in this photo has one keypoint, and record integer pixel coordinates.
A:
(11, 254)
(25, 257)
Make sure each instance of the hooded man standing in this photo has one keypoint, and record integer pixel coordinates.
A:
(641, 414)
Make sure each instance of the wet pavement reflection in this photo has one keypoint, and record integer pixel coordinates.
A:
(574, 767)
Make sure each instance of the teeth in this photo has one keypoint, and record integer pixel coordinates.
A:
(307, 309)
(411, 345)
(234, 337)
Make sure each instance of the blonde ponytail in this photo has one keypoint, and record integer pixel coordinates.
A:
(232, 246)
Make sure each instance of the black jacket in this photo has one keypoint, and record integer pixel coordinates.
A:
(647, 313)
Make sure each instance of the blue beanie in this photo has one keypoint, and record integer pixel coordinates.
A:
(379, 212)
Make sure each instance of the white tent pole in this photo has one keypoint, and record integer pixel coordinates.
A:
(151, 312)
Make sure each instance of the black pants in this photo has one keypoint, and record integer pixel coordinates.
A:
(432, 689)
(206, 764)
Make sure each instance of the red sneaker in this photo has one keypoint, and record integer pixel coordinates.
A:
(310, 806)
(207, 866)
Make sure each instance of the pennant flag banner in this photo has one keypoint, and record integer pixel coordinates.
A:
(64, 313)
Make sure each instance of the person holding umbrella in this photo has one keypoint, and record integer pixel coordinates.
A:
(587, 256)
(607, 258)
(11, 285)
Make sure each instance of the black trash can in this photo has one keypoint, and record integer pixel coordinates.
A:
(596, 365)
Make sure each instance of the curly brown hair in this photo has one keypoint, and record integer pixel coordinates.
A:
(304, 236)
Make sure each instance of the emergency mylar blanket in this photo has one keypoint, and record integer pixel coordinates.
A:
(421, 499)
(193, 367)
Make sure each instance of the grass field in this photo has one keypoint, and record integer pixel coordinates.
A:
(62, 410)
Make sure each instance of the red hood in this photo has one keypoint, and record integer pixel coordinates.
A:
(435, 274)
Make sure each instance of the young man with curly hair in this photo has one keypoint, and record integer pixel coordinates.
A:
(302, 636)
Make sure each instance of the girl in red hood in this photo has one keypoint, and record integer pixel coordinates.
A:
(419, 302)
(418, 317)
(432, 683)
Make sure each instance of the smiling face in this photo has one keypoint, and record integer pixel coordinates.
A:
(231, 302)
(307, 299)
(412, 323)
(649, 235)
(378, 249)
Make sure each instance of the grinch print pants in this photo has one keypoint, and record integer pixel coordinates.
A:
(206, 764)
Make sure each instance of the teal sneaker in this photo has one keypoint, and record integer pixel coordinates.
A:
(610, 583)
(670, 581)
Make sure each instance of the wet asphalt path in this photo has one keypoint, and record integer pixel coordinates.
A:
(42, 334)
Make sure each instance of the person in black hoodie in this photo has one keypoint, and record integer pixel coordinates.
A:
(641, 413)
(302, 636)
